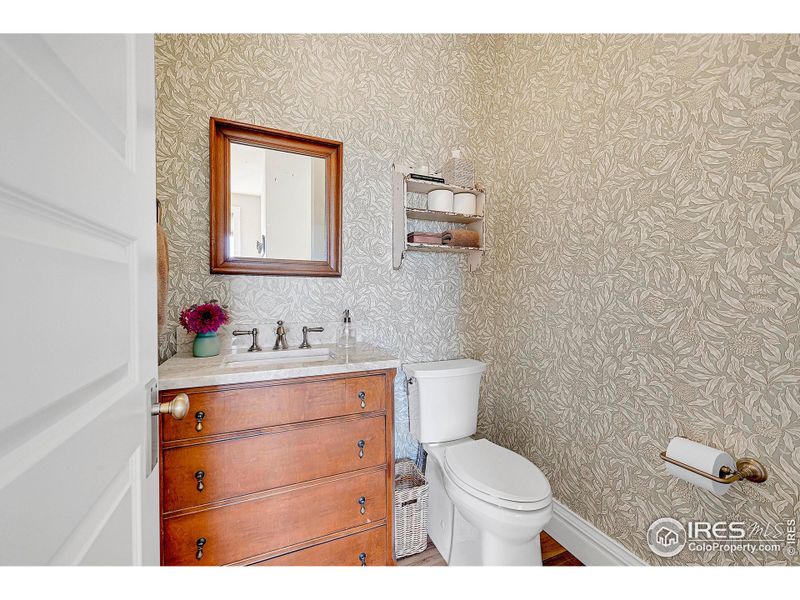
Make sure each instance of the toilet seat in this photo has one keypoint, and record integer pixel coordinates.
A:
(497, 475)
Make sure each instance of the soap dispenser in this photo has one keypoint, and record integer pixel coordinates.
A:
(347, 332)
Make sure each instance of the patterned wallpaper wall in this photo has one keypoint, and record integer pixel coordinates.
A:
(644, 273)
(644, 280)
(389, 99)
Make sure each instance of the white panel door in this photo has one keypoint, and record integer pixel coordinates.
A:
(77, 299)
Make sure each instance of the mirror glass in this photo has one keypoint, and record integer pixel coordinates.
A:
(277, 204)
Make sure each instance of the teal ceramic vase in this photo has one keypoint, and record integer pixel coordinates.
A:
(205, 345)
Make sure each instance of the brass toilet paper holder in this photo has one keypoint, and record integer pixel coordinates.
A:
(746, 468)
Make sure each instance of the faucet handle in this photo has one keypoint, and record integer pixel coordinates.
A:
(306, 329)
(254, 347)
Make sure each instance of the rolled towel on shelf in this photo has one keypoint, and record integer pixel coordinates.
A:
(461, 237)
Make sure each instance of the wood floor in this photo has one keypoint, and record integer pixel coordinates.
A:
(553, 555)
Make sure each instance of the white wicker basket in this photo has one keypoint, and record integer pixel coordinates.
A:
(410, 509)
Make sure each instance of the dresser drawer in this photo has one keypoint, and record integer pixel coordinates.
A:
(238, 531)
(213, 412)
(344, 552)
(201, 473)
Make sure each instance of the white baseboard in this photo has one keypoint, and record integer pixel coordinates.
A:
(587, 543)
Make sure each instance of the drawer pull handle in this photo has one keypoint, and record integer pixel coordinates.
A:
(363, 502)
(201, 542)
(361, 445)
(363, 558)
(199, 416)
(363, 397)
(199, 476)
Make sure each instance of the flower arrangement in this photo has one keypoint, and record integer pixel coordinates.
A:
(204, 318)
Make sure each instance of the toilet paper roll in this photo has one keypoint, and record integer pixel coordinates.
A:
(705, 458)
(440, 200)
(465, 203)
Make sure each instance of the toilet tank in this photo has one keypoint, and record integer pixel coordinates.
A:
(443, 399)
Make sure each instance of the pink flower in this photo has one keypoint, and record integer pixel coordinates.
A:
(203, 318)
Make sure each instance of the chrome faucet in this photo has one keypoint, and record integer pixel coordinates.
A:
(305, 343)
(254, 347)
(280, 340)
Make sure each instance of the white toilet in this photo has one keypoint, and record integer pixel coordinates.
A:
(487, 504)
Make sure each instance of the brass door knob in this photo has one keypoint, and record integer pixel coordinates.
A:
(177, 407)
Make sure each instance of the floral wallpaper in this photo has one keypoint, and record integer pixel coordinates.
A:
(389, 99)
(643, 273)
(644, 277)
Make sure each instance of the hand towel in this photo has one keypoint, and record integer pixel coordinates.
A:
(461, 237)
(424, 237)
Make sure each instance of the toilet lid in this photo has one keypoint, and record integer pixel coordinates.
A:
(497, 472)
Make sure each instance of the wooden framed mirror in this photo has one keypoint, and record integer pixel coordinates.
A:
(276, 202)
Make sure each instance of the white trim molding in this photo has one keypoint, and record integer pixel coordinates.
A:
(586, 542)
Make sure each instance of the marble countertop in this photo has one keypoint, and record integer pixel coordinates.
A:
(185, 371)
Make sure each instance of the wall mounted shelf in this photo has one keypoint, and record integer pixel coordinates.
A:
(440, 248)
(420, 186)
(440, 215)
(402, 185)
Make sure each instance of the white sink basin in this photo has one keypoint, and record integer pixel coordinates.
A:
(269, 357)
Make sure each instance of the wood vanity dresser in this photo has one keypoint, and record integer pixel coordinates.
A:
(281, 472)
